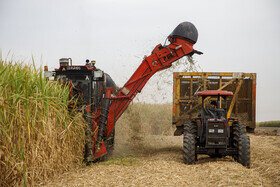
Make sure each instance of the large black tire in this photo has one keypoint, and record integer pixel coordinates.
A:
(244, 150)
(242, 142)
(237, 129)
(189, 153)
(190, 127)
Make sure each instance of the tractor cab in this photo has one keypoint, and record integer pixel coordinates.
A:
(214, 105)
(214, 129)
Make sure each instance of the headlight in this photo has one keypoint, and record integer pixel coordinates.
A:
(98, 74)
(220, 130)
(211, 130)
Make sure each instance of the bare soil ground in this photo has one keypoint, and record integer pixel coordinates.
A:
(157, 161)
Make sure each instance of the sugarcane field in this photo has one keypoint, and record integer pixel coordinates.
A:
(139, 93)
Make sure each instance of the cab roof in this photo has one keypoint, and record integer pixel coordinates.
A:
(214, 93)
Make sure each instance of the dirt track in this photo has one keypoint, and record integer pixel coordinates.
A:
(157, 161)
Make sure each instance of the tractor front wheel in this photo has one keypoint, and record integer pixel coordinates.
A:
(244, 150)
(237, 129)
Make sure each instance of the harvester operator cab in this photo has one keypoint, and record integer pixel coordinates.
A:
(87, 83)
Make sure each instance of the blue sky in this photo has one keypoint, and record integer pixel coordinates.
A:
(242, 36)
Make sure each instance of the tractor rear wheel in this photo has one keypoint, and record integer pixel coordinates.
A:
(190, 127)
(189, 152)
(237, 129)
(244, 150)
(240, 127)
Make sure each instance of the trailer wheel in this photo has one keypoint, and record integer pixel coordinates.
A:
(244, 150)
(189, 153)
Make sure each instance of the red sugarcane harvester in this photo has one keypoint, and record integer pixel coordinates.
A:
(103, 104)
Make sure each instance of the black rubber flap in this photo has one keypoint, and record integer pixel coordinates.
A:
(185, 30)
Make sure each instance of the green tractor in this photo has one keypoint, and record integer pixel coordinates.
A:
(213, 134)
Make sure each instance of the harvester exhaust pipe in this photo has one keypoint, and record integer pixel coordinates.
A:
(65, 61)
